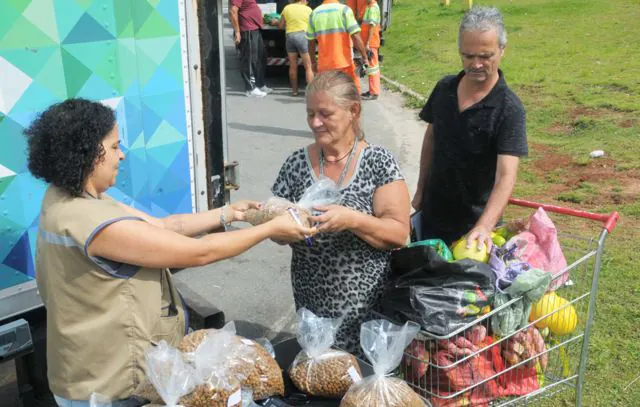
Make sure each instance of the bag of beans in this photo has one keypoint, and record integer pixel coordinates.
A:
(322, 192)
(221, 364)
(319, 370)
(169, 374)
(272, 208)
(265, 376)
(384, 343)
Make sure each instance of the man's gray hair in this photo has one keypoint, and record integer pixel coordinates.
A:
(483, 19)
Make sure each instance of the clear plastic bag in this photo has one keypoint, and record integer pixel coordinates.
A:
(247, 398)
(322, 192)
(319, 370)
(170, 375)
(221, 364)
(384, 343)
(265, 377)
(274, 207)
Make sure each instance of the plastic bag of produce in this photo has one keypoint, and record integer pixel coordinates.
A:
(322, 192)
(221, 364)
(265, 377)
(441, 296)
(439, 245)
(170, 375)
(384, 343)
(319, 370)
(539, 246)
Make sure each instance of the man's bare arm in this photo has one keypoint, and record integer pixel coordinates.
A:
(235, 22)
(357, 41)
(506, 175)
(426, 156)
(312, 52)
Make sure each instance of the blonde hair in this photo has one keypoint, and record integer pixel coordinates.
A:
(342, 90)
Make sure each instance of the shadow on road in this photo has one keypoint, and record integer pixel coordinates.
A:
(278, 131)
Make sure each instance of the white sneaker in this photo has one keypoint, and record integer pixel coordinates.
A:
(266, 89)
(256, 93)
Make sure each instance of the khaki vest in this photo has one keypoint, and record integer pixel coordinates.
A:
(101, 315)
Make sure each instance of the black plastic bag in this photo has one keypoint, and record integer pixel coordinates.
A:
(441, 296)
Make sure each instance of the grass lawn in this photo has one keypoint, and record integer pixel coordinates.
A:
(576, 66)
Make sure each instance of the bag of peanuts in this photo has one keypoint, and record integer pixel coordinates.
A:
(169, 374)
(265, 376)
(319, 370)
(322, 192)
(384, 343)
(221, 364)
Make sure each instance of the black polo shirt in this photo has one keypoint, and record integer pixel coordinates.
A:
(465, 152)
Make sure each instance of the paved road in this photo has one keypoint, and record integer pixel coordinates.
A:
(254, 289)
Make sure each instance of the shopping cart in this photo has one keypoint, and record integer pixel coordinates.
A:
(465, 368)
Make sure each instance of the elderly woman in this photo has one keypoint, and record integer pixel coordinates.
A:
(343, 273)
(101, 266)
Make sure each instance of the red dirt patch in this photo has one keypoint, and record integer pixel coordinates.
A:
(627, 124)
(582, 111)
(606, 185)
(559, 129)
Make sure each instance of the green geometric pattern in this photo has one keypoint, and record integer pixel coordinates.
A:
(125, 53)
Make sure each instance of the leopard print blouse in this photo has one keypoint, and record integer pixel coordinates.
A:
(341, 275)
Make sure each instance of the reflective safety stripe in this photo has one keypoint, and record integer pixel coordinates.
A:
(58, 240)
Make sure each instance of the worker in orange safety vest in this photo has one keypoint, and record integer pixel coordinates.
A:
(358, 7)
(333, 27)
(371, 37)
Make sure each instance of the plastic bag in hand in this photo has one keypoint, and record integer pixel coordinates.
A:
(384, 343)
(323, 192)
(221, 364)
(168, 372)
(272, 208)
(319, 370)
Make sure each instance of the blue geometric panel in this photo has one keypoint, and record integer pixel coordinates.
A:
(123, 53)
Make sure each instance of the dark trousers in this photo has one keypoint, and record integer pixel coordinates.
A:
(253, 59)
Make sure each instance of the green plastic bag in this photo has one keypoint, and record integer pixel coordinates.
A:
(439, 245)
(270, 16)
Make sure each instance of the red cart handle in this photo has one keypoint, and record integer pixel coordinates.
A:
(609, 220)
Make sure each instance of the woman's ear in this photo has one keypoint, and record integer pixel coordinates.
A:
(356, 109)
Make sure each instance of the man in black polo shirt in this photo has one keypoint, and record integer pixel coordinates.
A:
(474, 141)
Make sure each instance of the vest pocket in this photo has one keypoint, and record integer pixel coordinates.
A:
(169, 329)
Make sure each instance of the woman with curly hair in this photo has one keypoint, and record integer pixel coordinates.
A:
(102, 266)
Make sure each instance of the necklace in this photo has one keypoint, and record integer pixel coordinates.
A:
(346, 166)
(337, 160)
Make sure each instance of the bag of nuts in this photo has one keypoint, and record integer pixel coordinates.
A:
(319, 370)
(265, 376)
(272, 208)
(322, 192)
(384, 343)
(170, 375)
(221, 364)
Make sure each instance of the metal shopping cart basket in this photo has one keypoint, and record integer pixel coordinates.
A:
(529, 365)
